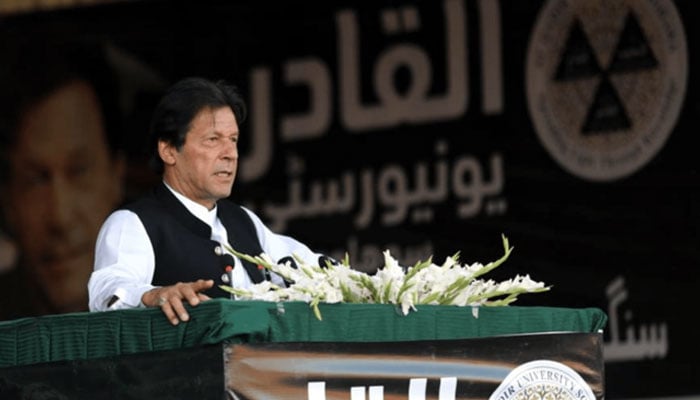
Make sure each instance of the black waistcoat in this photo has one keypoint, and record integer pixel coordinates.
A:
(181, 242)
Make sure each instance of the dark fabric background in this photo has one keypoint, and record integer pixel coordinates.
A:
(578, 235)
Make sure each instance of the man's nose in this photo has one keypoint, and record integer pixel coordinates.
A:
(230, 150)
(61, 203)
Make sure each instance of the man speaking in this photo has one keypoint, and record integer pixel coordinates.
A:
(167, 247)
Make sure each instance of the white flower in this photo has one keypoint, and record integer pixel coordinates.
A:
(424, 283)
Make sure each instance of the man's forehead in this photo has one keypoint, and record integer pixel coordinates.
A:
(215, 119)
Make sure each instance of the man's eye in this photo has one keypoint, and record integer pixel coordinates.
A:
(78, 170)
(36, 178)
(32, 179)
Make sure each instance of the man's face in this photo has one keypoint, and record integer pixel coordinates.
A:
(205, 167)
(64, 182)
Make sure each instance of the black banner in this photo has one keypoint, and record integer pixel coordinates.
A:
(448, 369)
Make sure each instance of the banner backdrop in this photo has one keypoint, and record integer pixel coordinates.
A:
(428, 128)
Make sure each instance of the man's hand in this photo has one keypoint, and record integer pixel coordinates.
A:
(170, 298)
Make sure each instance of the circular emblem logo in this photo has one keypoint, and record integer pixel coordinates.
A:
(605, 82)
(543, 380)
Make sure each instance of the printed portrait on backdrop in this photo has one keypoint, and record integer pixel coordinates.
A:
(62, 168)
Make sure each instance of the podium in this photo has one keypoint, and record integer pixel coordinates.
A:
(260, 350)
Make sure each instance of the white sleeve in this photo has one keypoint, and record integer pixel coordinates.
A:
(124, 263)
(278, 246)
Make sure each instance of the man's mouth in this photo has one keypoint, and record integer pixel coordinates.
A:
(61, 261)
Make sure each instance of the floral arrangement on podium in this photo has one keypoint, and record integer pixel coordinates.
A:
(450, 283)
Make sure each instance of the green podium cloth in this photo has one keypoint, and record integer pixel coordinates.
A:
(105, 334)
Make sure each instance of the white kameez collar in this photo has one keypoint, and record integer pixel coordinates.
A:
(205, 215)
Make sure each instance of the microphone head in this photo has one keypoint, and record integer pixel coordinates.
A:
(226, 261)
(324, 260)
(290, 260)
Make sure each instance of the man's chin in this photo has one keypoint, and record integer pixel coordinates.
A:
(67, 300)
(223, 194)
(65, 286)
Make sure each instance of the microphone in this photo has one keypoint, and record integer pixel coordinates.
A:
(292, 263)
(227, 262)
(324, 260)
(229, 275)
(265, 272)
(289, 259)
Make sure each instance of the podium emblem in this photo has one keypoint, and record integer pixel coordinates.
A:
(543, 380)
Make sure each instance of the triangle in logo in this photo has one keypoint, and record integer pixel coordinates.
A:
(607, 113)
(633, 52)
(578, 59)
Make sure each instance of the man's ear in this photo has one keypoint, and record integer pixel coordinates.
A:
(166, 151)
